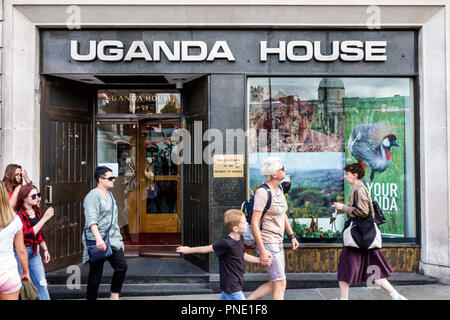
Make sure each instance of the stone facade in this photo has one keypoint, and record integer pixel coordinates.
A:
(1, 87)
(19, 82)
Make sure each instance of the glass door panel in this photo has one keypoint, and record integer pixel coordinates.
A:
(160, 179)
(116, 149)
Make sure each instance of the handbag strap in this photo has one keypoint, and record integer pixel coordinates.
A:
(112, 216)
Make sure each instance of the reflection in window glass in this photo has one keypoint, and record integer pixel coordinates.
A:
(162, 196)
(116, 149)
(137, 102)
(161, 173)
(316, 126)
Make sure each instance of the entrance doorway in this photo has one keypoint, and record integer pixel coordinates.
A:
(137, 146)
(161, 205)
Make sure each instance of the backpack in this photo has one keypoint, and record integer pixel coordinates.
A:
(247, 208)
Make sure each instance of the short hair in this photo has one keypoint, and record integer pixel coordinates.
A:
(100, 171)
(358, 167)
(270, 166)
(232, 218)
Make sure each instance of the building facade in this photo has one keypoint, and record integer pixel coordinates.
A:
(184, 102)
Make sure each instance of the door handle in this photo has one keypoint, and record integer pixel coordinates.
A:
(49, 194)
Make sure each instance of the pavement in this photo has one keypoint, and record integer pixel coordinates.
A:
(177, 279)
(415, 292)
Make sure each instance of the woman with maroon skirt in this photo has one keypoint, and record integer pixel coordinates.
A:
(356, 266)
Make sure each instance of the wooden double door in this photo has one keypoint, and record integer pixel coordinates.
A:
(148, 187)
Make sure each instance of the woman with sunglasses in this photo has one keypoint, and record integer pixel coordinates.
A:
(101, 215)
(32, 222)
(268, 230)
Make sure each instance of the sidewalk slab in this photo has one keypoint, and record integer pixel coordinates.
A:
(418, 292)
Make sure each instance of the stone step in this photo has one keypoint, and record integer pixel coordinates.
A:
(186, 285)
(62, 292)
(325, 280)
(135, 279)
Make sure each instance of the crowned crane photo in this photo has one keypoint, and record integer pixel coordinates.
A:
(372, 144)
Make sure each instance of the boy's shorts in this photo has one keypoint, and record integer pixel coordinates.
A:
(233, 296)
(276, 269)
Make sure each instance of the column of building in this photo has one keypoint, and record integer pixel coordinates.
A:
(1, 88)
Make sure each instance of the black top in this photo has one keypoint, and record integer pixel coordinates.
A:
(231, 263)
(34, 221)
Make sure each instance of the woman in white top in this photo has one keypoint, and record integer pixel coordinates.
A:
(11, 234)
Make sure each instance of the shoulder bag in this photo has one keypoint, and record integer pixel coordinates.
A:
(362, 233)
(95, 254)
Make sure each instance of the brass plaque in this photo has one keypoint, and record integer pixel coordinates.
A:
(228, 165)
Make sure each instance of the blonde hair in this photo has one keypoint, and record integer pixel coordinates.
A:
(270, 166)
(232, 218)
(6, 212)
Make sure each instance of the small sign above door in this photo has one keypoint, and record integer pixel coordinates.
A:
(228, 166)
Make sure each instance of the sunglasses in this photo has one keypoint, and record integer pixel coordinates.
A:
(109, 178)
(33, 196)
(282, 169)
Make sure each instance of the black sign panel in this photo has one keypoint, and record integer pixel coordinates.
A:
(262, 52)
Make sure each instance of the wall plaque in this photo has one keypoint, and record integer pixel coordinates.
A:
(228, 165)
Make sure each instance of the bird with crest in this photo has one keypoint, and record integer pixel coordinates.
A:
(372, 144)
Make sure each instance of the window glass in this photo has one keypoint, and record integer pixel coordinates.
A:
(317, 126)
(116, 149)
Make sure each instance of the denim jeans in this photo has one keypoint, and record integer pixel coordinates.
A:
(233, 296)
(37, 272)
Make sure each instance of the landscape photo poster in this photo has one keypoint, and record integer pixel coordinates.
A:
(302, 122)
(316, 180)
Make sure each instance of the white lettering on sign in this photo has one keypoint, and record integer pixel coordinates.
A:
(113, 50)
(386, 194)
(350, 50)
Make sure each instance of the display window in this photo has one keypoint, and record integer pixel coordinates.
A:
(317, 126)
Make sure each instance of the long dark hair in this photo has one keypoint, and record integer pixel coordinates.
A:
(9, 178)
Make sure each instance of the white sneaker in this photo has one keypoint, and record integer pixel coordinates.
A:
(399, 297)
